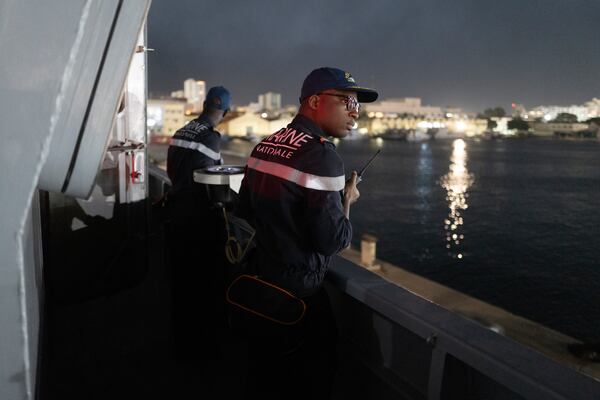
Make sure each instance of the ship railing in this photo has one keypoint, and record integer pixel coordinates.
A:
(159, 181)
(422, 340)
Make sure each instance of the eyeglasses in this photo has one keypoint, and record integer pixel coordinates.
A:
(351, 103)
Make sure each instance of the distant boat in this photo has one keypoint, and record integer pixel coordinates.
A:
(418, 135)
(394, 134)
(443, 133)
(354, 135)
(491, 135)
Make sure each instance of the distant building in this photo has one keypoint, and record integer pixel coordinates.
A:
(257, 108)
(403, 107)
(250, 108)
(590, 109)
(178, 94)
(195, 93)
(165, 116)
(557, 128)
(502, 126)
(269, 101)
(374, 125)
(254, 125)
(290, 109)
(454, 112)
(593, 108)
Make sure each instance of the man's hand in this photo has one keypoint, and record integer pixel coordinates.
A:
(351, 193)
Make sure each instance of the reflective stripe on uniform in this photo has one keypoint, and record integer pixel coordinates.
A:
(186, 144)
(310, 181)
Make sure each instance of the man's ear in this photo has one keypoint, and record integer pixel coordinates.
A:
(313, 102)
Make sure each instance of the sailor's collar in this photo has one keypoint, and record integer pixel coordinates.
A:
(307, 125)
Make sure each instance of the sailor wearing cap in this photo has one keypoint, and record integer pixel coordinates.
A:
(193, 231)
(296, 196)
(197, 145)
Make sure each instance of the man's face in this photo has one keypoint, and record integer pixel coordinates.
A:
(333, 114)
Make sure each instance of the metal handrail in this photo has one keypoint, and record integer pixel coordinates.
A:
(513, 365)
(159, 173)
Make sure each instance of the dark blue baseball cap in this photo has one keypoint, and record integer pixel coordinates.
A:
(218, 97)
(334, 78)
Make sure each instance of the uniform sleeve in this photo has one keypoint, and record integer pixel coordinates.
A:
(329, 228)
(199, 161)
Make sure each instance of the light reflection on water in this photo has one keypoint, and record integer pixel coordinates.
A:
(424, 172)
(456, 182)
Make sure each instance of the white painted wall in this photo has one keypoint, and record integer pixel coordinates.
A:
(41, 43)
(35, 64)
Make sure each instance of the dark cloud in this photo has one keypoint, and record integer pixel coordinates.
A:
(469, 53)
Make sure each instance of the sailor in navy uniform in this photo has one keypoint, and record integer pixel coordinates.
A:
(197, 145)
(296, 196)
(195, 234)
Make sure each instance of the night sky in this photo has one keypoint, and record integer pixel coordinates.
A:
(467, 53)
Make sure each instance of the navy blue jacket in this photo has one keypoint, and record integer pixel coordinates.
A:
(292, 195)
(195, 146)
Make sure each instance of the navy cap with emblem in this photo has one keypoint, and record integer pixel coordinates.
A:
(334, 78)
(218, 97)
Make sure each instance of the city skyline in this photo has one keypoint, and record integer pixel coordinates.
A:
(271, 101)
(463, 53)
